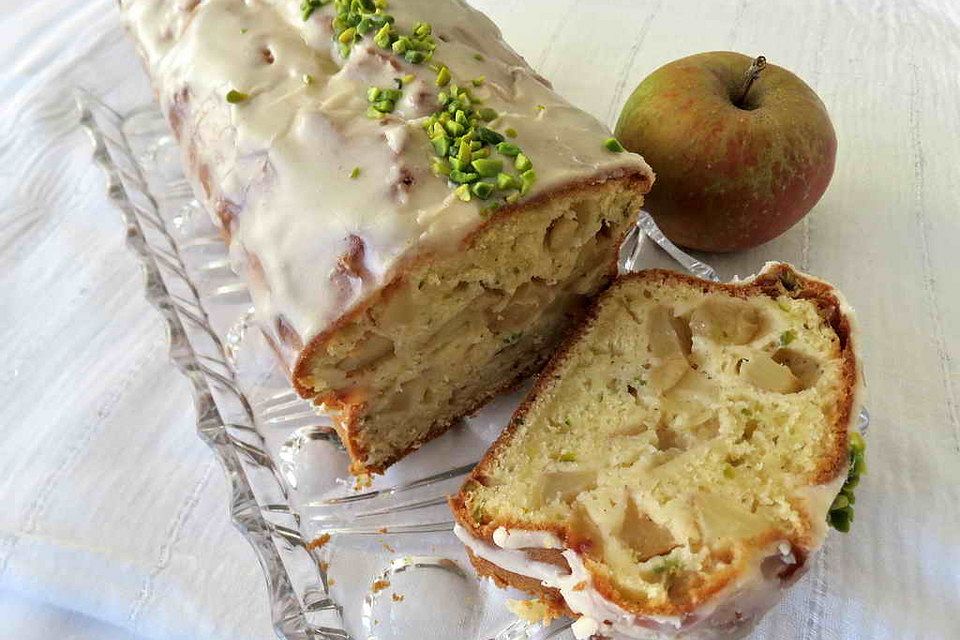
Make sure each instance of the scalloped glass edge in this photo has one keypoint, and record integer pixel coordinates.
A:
(259, 504)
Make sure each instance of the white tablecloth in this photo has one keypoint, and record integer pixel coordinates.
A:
(111, 506)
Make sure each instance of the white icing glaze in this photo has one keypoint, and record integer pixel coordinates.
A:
(731, 614)
(280, 161)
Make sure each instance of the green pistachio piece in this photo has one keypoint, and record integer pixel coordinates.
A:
(415, 57)
(508, 149)
(236, 97)
(487, 167)
(441, 145)
(392, 94)
(505, 182)
(401, 45)
(440, 167)
(612, 144)
(523, 163)
(383, 37)
(527, 179)
(482, 190)
(464, 152)
(463, 177)
(489, 135)
(443, 77)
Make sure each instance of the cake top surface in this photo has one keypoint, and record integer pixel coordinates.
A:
(312, 135)
(724, 413)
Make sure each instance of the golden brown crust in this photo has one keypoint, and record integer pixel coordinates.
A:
(774, 281)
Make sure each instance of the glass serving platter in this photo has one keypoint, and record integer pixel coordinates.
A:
(341, 562)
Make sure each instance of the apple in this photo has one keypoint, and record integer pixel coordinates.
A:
(742, 149)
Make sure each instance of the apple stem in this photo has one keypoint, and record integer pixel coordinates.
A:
(758, 65)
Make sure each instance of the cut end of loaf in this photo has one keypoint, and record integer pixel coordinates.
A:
(455, 328)
(686, 443)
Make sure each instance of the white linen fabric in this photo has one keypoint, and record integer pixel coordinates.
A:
(111, 505)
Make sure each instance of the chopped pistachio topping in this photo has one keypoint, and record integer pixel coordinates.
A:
(487, 114)
(307, 7)
(511, 132)
(464, 147)
(508, 149)
(787, 337)
(507, 182)
(236, 97)
(840, 515)
(567, 456)
(482, 190)
(357, 18)
(355, 173)
(382, 101)
(307, 78)
(488, 167)
(443, 77)
(612, 144)
(527, 178)
(522, 163)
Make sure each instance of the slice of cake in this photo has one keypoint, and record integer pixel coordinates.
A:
(673, 469)
(418, 215)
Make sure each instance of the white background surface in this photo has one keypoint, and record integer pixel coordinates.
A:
(113, 507)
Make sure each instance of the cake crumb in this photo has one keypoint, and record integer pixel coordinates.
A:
(362, 481)
(580, 586)
(383, 530)
(319, 542)
(388, 547)
(533, 611)
(379, 585)
(397, 597)
(324, 565)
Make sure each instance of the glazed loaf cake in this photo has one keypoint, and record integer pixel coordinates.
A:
(673, 470)
(418, 215)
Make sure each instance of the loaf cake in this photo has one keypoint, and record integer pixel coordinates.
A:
(418, 215)
(673, 469)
